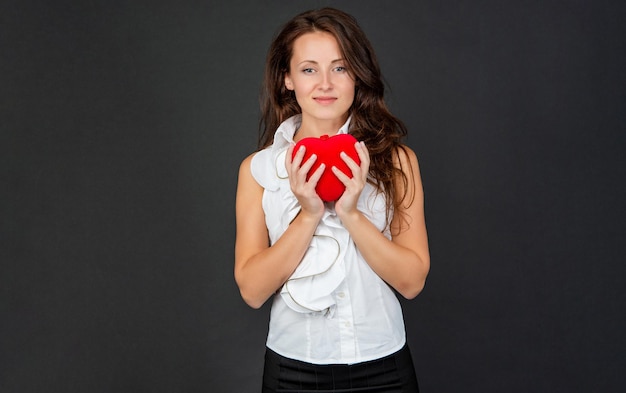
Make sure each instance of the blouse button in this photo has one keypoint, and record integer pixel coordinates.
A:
(341, 295)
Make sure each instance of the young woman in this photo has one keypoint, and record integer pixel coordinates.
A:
(331, 267)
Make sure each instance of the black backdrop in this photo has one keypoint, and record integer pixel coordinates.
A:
(122, 128)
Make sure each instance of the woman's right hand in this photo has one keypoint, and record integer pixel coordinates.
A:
(303, 189)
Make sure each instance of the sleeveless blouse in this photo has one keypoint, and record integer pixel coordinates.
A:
(334, 309)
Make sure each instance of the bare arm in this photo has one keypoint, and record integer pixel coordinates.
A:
(404, 261)
(260, 270)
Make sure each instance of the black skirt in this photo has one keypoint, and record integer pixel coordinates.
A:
(392, 374)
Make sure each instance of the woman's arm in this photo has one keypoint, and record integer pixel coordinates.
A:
(260, 270)
(404, 261)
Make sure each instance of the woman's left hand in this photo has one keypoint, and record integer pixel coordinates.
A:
(347, 203)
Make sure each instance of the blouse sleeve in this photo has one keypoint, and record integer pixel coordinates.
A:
(264, 169)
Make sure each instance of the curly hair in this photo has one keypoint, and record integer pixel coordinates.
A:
(371, 120)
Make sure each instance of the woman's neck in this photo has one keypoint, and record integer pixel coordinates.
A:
(316, 127)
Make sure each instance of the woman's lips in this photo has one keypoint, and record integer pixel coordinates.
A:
(325, 100)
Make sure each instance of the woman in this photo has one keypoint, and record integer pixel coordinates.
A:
(331, 267)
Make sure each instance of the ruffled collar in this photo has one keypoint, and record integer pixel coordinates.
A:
(321, 270)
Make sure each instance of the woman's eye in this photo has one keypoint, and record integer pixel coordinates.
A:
(308, 70)
(340, 69)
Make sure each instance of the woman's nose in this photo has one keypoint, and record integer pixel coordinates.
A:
(326, 81)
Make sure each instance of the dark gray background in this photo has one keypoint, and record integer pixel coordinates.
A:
(122, 128)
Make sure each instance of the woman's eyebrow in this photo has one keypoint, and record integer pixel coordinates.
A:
(315, 62)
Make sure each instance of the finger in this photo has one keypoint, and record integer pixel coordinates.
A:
(308, 164)
(289, 153)
(297, 159)
(364, 156)
(349, 161)
(317, 174)
(289, 159)
(345, 179)
(362, 152)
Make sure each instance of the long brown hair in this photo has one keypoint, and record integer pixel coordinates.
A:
(371, 121)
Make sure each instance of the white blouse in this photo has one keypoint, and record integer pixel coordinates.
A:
(334, 308)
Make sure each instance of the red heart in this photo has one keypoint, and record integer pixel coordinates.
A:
(327, 149)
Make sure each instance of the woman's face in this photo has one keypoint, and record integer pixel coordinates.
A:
(323, 86)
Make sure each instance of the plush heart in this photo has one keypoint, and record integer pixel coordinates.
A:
(327, 149)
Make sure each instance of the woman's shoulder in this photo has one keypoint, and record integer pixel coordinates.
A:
(259, 166)
(248, 161)
(246, 164)
(404, 156)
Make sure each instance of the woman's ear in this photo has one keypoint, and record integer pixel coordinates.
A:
(288, 82)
